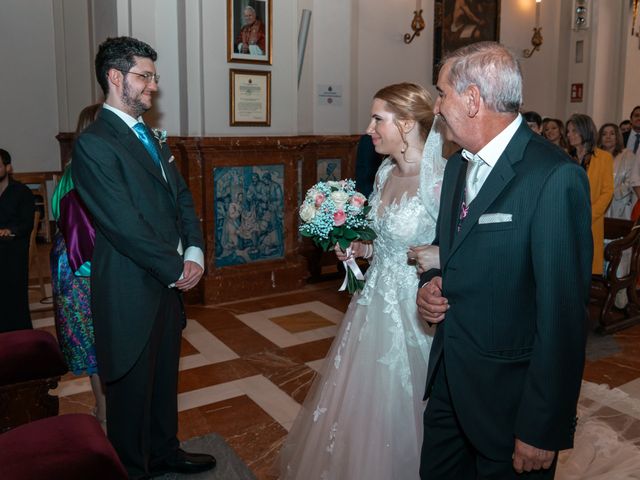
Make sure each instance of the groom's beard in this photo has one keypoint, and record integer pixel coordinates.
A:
(131, 99)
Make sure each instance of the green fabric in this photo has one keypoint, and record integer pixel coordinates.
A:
(84, 270)
(65, 185)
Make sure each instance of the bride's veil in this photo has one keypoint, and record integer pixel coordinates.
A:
(432, 169)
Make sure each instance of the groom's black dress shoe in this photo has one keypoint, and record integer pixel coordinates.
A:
(182, 462)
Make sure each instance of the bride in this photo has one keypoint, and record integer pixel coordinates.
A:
(362, 418)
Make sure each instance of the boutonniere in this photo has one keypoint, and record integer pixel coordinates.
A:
(161, 135)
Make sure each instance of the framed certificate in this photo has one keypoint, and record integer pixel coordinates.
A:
(249, 31)
(250, 98)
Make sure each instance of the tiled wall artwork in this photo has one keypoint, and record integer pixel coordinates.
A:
(249, 212)
(328, 169)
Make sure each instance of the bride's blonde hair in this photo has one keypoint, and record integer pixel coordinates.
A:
(408, 101)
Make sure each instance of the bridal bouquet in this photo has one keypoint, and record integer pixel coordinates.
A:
(334, 212)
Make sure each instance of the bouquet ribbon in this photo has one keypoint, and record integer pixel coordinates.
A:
(350, 264)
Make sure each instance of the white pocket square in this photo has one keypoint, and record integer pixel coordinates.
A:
(171, 159)
(495, 218)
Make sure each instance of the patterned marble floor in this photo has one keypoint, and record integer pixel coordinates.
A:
(246, 367)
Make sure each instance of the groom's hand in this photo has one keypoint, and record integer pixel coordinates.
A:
(527, 457)
(190, 276)
(431, 304)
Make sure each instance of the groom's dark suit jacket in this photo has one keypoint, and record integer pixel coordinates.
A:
(513, 338)
(139, 219)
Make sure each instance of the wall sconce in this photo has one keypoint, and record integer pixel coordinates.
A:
(536, 39)
(417, 25)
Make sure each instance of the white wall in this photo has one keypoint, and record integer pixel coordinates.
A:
(47, 49)
(334, 23)
(542, 68)
(28, 102)
(631, 67)
(383, 57)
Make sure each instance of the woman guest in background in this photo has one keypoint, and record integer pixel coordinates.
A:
(70, 271)
(582, 136)
(553, 130)
(624, 198)
(362, 417)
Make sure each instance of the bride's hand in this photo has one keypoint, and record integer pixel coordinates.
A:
(358, 250)
(425, 257)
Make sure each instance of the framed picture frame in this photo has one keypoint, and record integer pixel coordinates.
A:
(249, 31)
(250, 98)
(458, 23)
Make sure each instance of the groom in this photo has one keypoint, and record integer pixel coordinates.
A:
(148, 249)
(510, 299)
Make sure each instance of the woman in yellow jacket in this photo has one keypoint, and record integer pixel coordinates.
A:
(582, 136)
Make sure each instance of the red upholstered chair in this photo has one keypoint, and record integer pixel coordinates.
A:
(66, 447)
(30, 365)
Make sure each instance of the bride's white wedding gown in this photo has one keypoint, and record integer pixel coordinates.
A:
(362, 418)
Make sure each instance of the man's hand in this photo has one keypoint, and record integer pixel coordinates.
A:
(527, 457)
(431, 304)
(190, 276)
(5, 232)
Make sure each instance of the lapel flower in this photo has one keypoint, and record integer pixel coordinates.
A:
(161, 135)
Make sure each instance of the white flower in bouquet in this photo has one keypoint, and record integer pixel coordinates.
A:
(340, 198)
(307, 212)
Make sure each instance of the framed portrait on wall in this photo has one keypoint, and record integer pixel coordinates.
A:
(461, 22)
(249, 27)
(250, 98)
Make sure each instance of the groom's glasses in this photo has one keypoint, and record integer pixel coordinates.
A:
(147, 77)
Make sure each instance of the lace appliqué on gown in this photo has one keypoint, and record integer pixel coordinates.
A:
(362, 417)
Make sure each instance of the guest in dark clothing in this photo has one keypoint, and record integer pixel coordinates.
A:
(631, 138)
(16, 222)
(367, 163)
(534, 120)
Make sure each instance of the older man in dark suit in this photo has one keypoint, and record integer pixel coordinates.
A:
(148, 250)
(510, 298)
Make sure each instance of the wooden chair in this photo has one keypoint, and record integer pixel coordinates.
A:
(34, 259)
(624, 236)
(31, 365)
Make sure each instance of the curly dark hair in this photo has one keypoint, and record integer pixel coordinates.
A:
(5, 156)
(118, 53)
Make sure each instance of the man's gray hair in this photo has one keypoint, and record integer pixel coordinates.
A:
(249, 7)
(493, 68)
